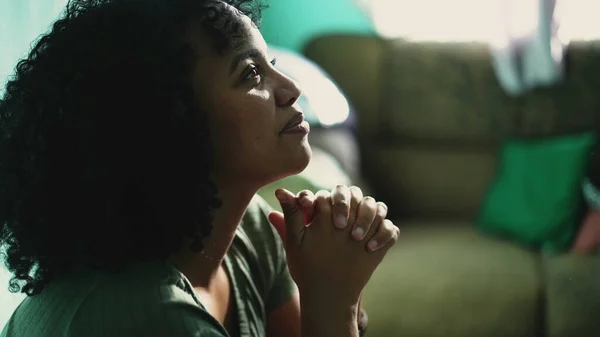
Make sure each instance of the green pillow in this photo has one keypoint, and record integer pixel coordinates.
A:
(536, 196)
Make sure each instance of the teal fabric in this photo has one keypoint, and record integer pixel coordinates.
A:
(529, 62)
(536, 196)
(292, 23)
(155, 299)
(591, 194)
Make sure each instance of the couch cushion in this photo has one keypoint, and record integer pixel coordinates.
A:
(572, 295)
(430, 180)
(444, 279)
(449, 92)
(445, 92)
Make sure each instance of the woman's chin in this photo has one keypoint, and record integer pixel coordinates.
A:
(293, 165)
(298, 163)
(303, 159)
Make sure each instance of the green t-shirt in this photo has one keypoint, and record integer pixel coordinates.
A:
(155, 299)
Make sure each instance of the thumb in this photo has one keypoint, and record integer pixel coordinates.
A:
(278, 221)
(292, 212)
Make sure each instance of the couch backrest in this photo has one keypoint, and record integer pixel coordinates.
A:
(432, 115)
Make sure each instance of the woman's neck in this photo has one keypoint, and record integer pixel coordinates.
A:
(201, 267)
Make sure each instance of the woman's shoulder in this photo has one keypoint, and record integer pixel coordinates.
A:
(151, 299)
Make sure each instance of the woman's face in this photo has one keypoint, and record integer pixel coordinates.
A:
(249, 103)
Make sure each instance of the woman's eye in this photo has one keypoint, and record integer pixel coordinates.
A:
(252, 73)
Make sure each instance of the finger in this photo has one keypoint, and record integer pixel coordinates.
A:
(278, 221)
(362, 319)
(322, 207)
(381, 213)
(386, 235)
(306, 199)
(367, 211)
(340, 200)
(356, 196)
(294, 218)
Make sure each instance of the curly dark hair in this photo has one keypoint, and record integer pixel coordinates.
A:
(105, 158)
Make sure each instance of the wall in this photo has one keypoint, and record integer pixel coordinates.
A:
(293, 23)
(21, 22)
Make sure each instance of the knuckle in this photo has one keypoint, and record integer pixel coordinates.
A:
(322, 203)
(322, 194)
(379, 218)
(320, 199)
(381, 236)
(395, 233)
(394, 239)
(390, 227)
(358, 223)
(370, 201)
(340, 190)
(340, 187)
(382, 205)
(354, 190)
(341, 203)
(381, 213)
(303, 193)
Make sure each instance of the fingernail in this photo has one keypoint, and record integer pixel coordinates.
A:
(341, 221)
(372, 244)
(358, 232)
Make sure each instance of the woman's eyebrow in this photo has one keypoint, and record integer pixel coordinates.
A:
(250, 53)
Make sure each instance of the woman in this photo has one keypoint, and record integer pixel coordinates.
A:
(134, 138)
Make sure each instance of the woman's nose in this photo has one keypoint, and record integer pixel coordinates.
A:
(287, 92)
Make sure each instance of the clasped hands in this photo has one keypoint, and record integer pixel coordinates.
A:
(334, 241)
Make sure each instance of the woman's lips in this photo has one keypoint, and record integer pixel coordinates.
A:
(296, 124)
(301, 128)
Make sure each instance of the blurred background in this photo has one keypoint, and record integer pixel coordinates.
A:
(474, 120)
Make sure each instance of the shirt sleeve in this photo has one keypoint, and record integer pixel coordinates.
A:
(168, 309)
(183, 317)
(282, 287)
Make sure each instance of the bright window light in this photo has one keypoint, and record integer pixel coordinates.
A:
(479, 20)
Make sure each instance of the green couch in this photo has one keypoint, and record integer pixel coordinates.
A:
(431, 118)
